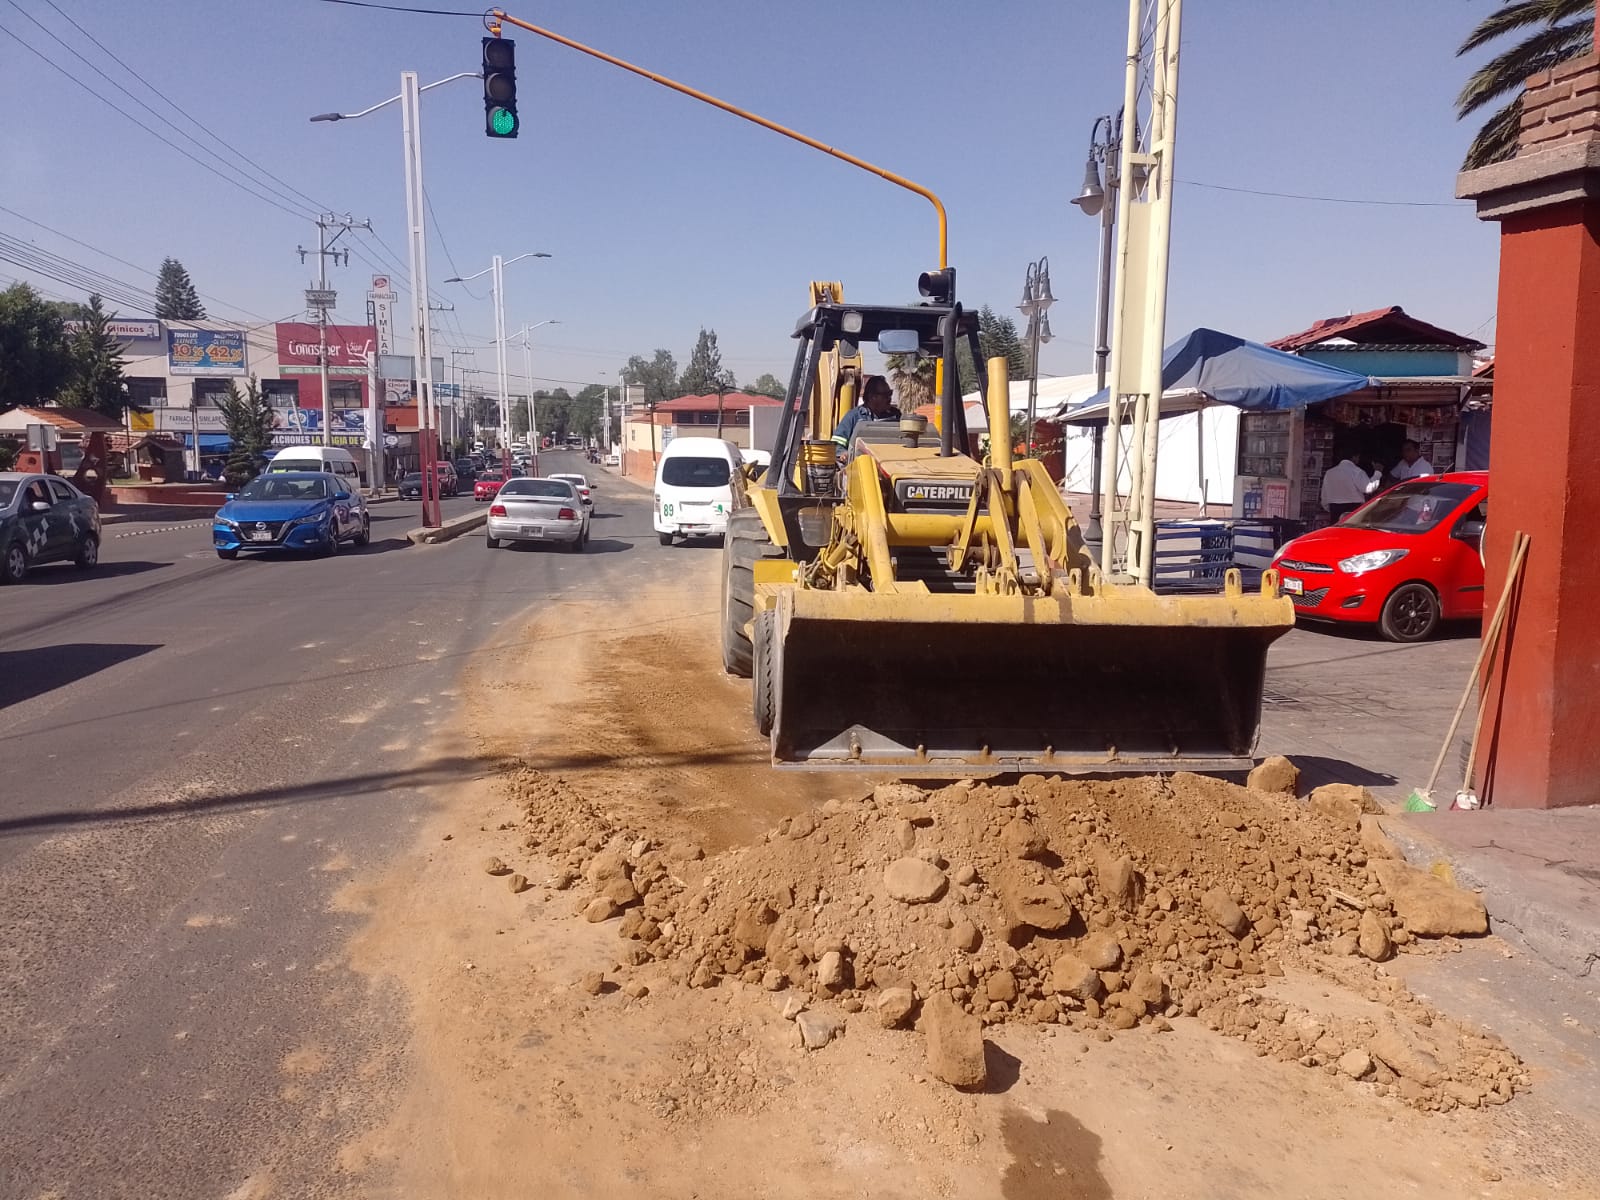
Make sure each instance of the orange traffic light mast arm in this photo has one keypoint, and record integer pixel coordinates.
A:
(899, 180)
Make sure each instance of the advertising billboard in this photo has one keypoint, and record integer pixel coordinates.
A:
(348, 345)
(206, 352)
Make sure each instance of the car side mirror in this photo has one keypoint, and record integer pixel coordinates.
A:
(1470, 532)
(227, 496)
(341, 495)
(40, 506)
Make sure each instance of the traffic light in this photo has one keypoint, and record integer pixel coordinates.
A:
(938, 286)
(500, 87)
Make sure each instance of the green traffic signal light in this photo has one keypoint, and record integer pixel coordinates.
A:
(499, 87)
(503, 121)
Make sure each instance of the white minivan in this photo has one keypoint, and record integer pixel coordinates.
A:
(335, 460)
(694, 487)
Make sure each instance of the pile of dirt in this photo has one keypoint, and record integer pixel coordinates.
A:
(1099, 905)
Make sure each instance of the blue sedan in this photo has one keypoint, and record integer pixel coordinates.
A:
(293, 510)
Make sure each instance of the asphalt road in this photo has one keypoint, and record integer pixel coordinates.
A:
(194, 756)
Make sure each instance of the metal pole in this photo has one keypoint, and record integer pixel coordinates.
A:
(1102, 321)
(498, 283)
(417, 250)
(1163, 137)
(374, 428)
(322, 330)
(534, 441)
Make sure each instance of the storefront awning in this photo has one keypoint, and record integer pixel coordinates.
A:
(1207, 367)
(212, 443)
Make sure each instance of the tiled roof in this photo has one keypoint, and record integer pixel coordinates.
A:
(1381, 326)
(732, 402)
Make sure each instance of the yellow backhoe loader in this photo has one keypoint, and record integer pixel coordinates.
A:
(902, 606)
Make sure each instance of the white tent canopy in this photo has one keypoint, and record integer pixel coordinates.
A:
(1180, 474)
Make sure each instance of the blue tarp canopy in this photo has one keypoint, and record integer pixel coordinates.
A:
(1207, 367)
(210, 443)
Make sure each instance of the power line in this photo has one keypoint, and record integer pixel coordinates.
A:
(107, 254)
(438, 232)
(400, 8)
(50, 62)
(1218, 187)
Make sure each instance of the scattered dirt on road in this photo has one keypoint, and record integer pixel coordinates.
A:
(738, 1013)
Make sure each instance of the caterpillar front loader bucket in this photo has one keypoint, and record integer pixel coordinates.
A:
(963, 684)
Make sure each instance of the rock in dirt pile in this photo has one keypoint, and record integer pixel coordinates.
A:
(1100, 905)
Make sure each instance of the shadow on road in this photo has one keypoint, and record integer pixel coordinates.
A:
(63, 573)
(25, 674)
(441, 770)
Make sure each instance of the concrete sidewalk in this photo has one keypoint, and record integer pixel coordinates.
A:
(1538, 870)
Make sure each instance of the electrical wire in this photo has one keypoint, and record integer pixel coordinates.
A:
(1219, 187)
(401, 8)
(50, 62)
(438, 232)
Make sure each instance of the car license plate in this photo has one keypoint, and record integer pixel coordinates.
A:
(260, 535)
(533, 530)
(1294, 587)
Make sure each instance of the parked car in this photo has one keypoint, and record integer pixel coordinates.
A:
(614, 459)
(300, 510)
(411, 486)
(449, 481)
(1404, 561)
(487, 484)
(538, 510)
(579, 482)
(44, 519)
(334, 460)
(466, 470)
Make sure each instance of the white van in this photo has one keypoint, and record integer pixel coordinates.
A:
(694, 487)
(335, 460)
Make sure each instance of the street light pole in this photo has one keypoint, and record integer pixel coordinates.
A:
(409, 99)
(1101, 201)
(497, 286)
(1036, 302)
(527, 372)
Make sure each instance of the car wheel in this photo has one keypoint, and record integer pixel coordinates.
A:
(666, 538)
(492, 542)
(1410, 614)
(365, 536)
(744, 544)
(332, 548)
(88, 555)
(230, 555)
(15, 564)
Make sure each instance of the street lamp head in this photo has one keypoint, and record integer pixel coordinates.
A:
(454, 279)
(328, 117)
(1044, 329)
(1043, 287)
(1093, 196)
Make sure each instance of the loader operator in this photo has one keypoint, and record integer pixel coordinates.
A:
(877, 405)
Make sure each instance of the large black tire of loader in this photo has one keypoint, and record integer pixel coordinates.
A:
(742, 547)
(763, 679)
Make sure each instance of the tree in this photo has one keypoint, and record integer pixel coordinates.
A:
(997, 338)
(912, 377)
(97, 364)
(1561, 30)
(35, 353)
(766, 385)
(658, 377)
(176, 299)
(704, 372)
(247, 415)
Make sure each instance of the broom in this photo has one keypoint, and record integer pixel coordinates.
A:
(1421, 799)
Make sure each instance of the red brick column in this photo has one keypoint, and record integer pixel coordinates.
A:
(1540, 739)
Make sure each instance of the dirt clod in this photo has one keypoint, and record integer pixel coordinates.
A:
(914, 881)
(1275, 774)
(954, 1043)
(494, 866)
(1428, 905)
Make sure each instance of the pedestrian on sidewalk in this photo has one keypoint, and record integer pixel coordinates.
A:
(1346, 487)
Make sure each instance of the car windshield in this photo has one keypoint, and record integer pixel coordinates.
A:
(1414, 507)
(687, 470)
(414, 477)
(8, 491)
(489, 477)
(292, 464)
(550, 489)
(579, 480)
(270, 487)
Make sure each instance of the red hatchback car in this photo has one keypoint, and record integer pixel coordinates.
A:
(1405, 560)
(487, 484)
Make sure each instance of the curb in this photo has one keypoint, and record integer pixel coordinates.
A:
(453, 528)
(1548, 917)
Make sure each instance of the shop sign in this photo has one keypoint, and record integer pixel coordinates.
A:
(299, 347)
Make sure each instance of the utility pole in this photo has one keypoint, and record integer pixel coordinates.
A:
(321, 299)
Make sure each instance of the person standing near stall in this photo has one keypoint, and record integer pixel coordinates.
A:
(1411, 465)
(1346, 487)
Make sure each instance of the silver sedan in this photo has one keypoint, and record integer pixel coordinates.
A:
(538, 510)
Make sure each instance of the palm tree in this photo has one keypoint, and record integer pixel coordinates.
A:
(1563, 29)
(912, 376)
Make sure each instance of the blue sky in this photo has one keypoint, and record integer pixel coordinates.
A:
(664, 215)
